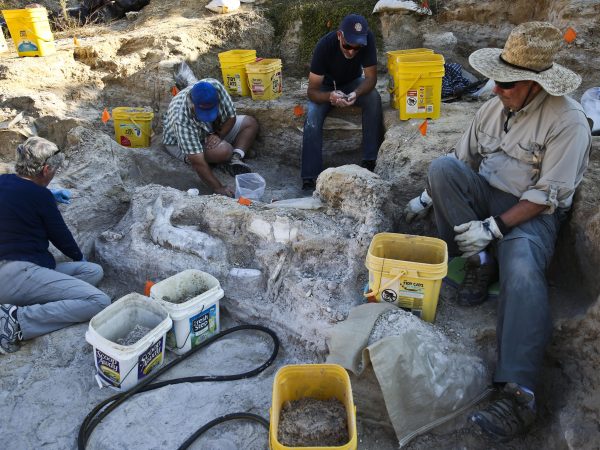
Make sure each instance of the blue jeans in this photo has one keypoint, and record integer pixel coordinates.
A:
(312, 140)
(524, 325)
(49, 300)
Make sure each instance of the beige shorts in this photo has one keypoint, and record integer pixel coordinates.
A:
(175, 151)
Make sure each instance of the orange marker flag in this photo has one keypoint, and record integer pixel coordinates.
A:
(298, 110)
(570, 35)
(147, 287)
(105, 116)
(244, 201)
(174, 91)
(423, 128)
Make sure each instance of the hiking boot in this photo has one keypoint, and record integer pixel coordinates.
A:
(308, 184)
(236, 166)
(10, 331)
(478, 277)
(368, 164)
(505, 418)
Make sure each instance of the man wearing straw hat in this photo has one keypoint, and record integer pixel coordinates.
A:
(38, 295)
(343, 72)
(500, 199)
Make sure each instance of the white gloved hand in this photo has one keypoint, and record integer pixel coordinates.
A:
(417, 208)
(472, 237)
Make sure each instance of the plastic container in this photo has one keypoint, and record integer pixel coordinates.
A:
(233, 68)
(133, 126)
(30, 31)
(192, 299)
(392, 57)
(265, 79)
(123, 366)
(407, 271)
(320, 381)
(419, 85)
(249, 185)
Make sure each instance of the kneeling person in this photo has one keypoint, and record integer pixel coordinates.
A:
(201, 128)
(39, 296)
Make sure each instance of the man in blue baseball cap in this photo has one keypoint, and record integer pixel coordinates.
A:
(343, 72)
(202, 128)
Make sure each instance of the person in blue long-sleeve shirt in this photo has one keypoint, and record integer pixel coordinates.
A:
(39, 296)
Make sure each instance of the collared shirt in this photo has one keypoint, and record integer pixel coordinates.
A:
(542, 156)
(183, 130)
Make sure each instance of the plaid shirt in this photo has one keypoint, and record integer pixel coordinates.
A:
(181, 127)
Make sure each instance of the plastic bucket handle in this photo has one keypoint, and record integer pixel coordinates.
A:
(386, 285)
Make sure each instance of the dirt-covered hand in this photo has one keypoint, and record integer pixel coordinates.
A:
(473, 237)
(336, 97)
(350, 98)
(224, 190)
(211, 141)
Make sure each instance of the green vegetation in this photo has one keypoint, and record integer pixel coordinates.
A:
(317, 18)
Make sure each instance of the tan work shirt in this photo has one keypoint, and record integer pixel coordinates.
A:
(543, 155)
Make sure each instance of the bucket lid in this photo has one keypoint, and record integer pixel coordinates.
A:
(420, 58)
(237, 55)
(126, 112)
(264, 65)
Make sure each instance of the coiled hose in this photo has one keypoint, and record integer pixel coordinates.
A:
(104, 408)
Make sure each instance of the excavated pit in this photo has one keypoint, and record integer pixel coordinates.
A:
(299, 271)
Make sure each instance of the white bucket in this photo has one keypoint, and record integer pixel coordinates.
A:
(123, 366)
(192, 299)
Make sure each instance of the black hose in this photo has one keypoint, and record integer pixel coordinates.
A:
(235, 416)
(104, 408)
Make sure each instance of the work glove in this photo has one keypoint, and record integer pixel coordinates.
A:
(472, 237)
(61, 195)
(418, 207)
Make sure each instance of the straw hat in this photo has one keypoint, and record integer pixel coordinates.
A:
(528, 55)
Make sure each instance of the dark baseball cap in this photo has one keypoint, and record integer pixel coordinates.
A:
(205, 98)
(355, 29)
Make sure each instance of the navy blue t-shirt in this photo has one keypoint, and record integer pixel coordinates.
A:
(29, 218)
(328, 60)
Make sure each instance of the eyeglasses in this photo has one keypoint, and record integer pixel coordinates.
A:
(347, 46)
(53, 154)
(506, 85)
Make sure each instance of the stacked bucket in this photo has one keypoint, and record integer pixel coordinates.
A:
(181, 312)
(30, 31)
(415, 82)
(244, 74)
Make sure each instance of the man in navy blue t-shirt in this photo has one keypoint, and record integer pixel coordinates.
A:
(343, 72)
(37, 295)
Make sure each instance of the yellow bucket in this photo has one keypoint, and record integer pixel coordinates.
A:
(407, 271)
(419, 85)
(391, 66)
(233, 68)
(30, 31)
(265, 79)
(133, 126)
(319, 381)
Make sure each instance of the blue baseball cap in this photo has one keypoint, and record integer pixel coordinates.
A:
(355, 29)
(205, 98)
